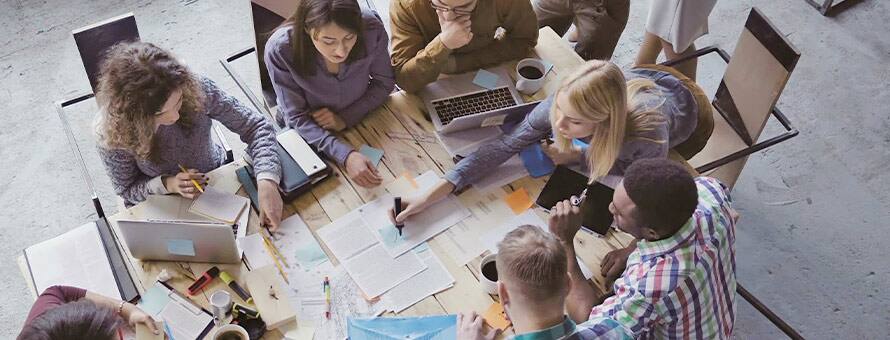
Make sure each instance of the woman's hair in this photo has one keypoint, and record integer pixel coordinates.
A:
(599, 92)
(313, 14)
(82, 319)
(135, 81)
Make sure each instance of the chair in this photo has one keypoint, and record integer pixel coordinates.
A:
(92, 42)
(828, 7)
(754, 78)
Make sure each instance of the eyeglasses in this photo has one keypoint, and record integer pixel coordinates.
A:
(462, 10)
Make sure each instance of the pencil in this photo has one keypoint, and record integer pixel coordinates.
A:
(198, 186)
(277, 264)
(274, 249)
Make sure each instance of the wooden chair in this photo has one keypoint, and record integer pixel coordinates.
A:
(754, 78)
(93, 42)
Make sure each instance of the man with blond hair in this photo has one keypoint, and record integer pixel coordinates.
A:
(533, 281)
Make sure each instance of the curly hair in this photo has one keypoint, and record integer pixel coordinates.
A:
(664, 193)
(135, 80)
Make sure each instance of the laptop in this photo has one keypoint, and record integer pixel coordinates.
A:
(173, 240)
(455, 103)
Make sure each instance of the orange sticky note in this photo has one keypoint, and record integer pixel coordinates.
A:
(519, 201)
(496, 317)
(410, 179)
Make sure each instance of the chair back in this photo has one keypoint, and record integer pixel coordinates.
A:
(267, 15)
(93, 42)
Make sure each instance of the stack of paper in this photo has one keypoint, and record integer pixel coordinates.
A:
(434, 279)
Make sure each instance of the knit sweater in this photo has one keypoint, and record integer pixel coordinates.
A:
(134, 178)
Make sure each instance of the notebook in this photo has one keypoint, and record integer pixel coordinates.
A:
(219, 205)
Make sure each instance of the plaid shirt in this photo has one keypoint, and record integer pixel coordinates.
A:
(682, 286)
(600, 329)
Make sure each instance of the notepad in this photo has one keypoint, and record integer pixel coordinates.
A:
(374, 155)
(486, 79)
(519, 201)
(219, 205)
(496, 317)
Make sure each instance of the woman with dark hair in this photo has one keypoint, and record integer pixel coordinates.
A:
(330, 66)
(155, 115)
(63, 312)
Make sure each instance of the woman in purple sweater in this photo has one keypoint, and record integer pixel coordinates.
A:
(330, 66)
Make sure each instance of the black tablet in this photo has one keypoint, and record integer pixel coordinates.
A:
(564, 183)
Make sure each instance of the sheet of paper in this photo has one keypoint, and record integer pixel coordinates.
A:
(504, 174)
(224, 177)
(241, 232)
(76, 258)
(434, 279)
(490, 239)
(165, 207)
(375, 272)
(219, 205)
(373, 154)
(462, 241)
(486, 79)
(298, 331)
(254, 251)
(295, 241)
(496, 317)
(418, 228)
(347, 236)
(519, 201)
(184, 319)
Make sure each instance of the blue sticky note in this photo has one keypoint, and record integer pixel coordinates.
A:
(547, 66)
(154, 300)
(390, 236)
(486, 79)
(181, 247)
(373, 154)
(309, 253)
(535, 161)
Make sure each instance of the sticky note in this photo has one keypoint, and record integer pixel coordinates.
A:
(181, 247)
(486, 79)
(547, 66)
(410, 179)
(536, 161)
(154, 300)
(373, 154)
(496, 317)
(519, 201)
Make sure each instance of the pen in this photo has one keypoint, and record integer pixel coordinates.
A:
(576, 201)
(327, 297)
(193, 181)
(398, 210)
(277, 263)
(168, 331)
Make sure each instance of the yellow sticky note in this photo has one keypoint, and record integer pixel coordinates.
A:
(519, 201)
(496, 317)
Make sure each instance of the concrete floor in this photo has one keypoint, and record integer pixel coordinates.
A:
(811, 242)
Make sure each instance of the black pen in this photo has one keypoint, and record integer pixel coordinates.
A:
(398, 210)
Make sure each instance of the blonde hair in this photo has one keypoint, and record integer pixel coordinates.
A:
(135, 81)
(535, 263)
(600, 93)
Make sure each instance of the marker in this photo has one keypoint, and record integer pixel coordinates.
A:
(239, 309)
(398, 210)
(235, 287)
(198, 186)
(327, 297)
(202, 281)
(168, 331)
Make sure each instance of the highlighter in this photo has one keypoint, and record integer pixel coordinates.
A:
(236, 287)
(202, 281)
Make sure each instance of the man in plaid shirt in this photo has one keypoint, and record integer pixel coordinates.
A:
(679, 280)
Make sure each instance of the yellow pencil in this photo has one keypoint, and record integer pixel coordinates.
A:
(193, 181)
(274, 249)
(277, 264)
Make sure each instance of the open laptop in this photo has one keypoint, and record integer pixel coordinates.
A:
(172, 240)
(455, 103)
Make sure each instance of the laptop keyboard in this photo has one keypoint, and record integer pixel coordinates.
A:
(478, 102)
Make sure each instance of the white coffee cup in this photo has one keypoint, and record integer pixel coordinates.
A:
(488, 285)
(530, 74)
(220, 305)
(240, 331)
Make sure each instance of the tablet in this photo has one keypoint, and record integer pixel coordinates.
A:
(564, 183)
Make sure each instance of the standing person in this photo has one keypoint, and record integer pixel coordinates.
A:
(679, 280)
(329, 65)
(155, 115)
(598, 23)
(63, 312)
(673, 26)
(431, 37)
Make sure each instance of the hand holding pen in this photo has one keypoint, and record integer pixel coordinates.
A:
(188, 183)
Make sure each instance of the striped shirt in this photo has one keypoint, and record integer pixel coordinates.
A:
(682, 286)
(599, 329)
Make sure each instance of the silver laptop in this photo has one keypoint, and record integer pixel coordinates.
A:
(455, 103)
(190, 241)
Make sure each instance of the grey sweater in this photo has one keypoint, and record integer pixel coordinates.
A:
(134, 179)
(672, 99)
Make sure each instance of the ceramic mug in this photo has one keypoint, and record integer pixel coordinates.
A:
(530, 75)
(489, 278)
(231, 332)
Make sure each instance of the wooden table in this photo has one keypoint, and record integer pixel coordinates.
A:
(407, 137)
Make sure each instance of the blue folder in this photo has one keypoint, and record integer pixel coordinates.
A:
(439, 327)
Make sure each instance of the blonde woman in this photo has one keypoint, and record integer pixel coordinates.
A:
(642, 113)
(156, 115)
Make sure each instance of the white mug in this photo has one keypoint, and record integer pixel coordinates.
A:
(231, 328)
(528, 84)
(488, 285)
(220, 305)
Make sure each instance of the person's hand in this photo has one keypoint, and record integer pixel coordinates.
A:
(360, 169)
(417, 203)
(472, 327)
(455, 33)
(136, 316)
(560, 158)
(614, 263)
(328, 120)
(270, 204)
(565, 220)
(182, 183)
